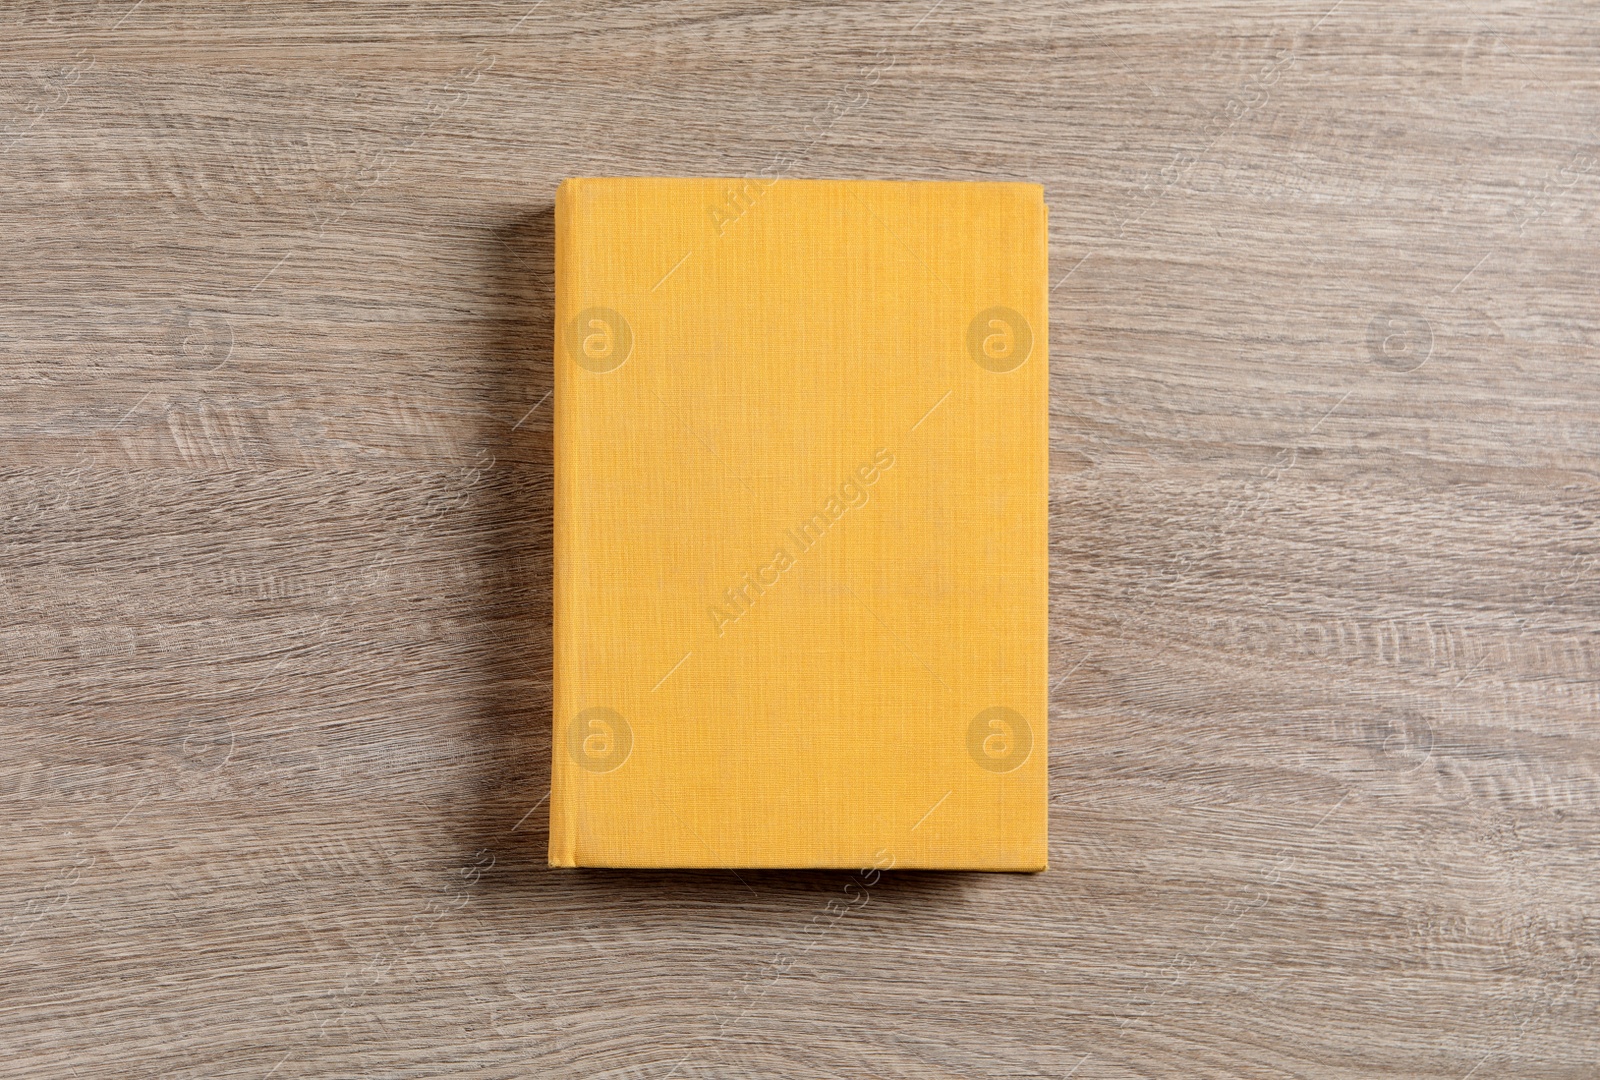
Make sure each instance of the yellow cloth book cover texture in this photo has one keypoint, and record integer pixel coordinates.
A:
(801, 567)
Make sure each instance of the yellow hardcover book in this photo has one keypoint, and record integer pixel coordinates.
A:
(801, 570)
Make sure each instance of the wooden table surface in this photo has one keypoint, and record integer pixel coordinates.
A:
(275, 305)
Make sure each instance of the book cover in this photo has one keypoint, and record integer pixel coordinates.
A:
(801, 569)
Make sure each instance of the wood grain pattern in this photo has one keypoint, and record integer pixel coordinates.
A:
(276, 498)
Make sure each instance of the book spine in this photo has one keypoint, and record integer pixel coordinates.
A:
(563, 810)
(1041, 691)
